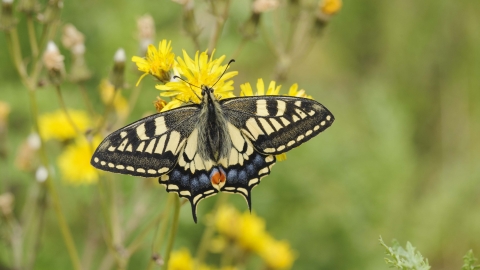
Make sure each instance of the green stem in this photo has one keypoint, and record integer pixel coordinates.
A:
(173, 231)
(16, 53)
(65, 110)
(209, 231)
(32, 36)
(136, 242)
(220, 23)
(86, 100)
(160, 232)
(107, 111)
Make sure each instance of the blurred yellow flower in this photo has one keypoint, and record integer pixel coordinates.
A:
(276, 254)
(181, 260)
(246, 89)
(330, 7)
(55, 125)
(252, 231)
(107, 90)
(199, 71)
(227, 221)
(157, 62)
(74, 162)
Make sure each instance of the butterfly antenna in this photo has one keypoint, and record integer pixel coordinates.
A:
(229, 62)
(177, 77)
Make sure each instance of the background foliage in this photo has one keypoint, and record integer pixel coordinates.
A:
(402, 159)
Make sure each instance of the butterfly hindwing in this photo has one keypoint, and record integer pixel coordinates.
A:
(245, 167)
(276, 124)
(148, 147)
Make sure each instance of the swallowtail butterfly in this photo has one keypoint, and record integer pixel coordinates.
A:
(218, 145)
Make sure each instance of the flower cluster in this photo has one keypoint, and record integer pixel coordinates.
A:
(248, 232)
(201, 70)
(238, 236)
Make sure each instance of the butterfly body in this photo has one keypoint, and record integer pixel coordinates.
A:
(218, 145)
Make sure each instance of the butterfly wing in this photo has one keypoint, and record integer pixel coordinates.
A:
(276, 124)
(245, 167)
(149, 147)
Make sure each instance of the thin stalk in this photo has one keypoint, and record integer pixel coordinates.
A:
(209, 231)
(66, 234)
(32, 36)
(160, 232)
(220, 23)
(86, 100)
(239, 48)
(106, 112)
(136, 242)
(16, 53)
(42, 206)
(173, 230)
(65, 110)
(131, 104)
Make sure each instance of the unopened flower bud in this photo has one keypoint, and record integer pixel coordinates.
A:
(41, 174)
(74, 40)
(71, 37)
(29, 6)
(117, 77)
(7, 21)
(159, 104)
(6, 203)
(53, 61)
(146, 32)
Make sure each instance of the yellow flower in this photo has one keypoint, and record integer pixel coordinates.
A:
(294, 92)
(74, 162)
(55, 125)
(181, 260)
(157, 62)
(107, 90)
(227, 221)
(198, 72)
(277, 254)
(246, 89)
(252, 231)
(330, 7)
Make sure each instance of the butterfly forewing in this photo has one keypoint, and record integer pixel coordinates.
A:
(276, 124)
(148, 147)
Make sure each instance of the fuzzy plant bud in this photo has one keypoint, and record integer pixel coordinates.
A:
(30, 7)
(53, 62)
(41, 174)
(74, 40)
(260, 6)
(146, 32)
(7, 20)
(117, 77)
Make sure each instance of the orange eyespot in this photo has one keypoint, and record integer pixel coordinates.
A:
(218, 176)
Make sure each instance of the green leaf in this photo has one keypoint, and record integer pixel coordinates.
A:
(469, 261)
(406, 259)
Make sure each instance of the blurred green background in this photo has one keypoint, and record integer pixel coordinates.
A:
(402, 159)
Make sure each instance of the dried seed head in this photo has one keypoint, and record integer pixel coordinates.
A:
(52, 59)
(73, 40)
(6, 203)
(260, 6)
(41, 174)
